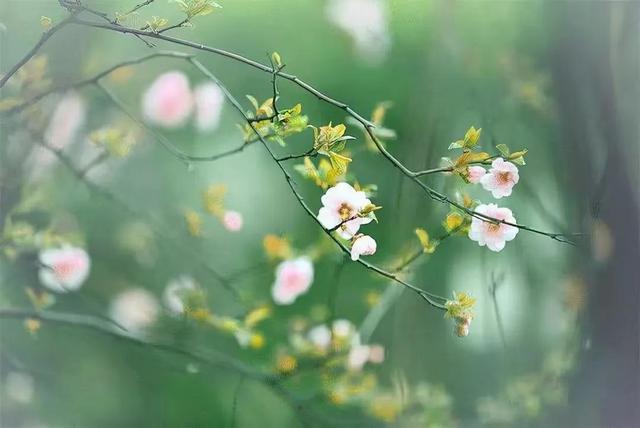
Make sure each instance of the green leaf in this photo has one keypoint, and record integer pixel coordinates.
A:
(503, 149)
(277, 61)
(456, 145)
(518, 160)
(253, 101)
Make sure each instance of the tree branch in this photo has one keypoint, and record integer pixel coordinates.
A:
(368, 126)
(434, 300)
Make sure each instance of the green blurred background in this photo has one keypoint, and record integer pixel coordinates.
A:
(557, 78)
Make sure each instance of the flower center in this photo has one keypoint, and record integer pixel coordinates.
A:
(345, 212)
(292, 280)
(504, 177)
(65, 268)
(493, 227)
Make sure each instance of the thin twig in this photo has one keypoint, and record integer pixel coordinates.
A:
(234, 403)
(493, 288)
(93, 79)
(96, 324)
(34, 50)
(139, 6)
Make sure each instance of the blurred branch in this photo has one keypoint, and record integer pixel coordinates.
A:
(96, 81)
(392, 294)
(95, 324)
(234, 404)
(160, 231)
(34, 50)
(216, 359)
(496, 281)
(96, 78)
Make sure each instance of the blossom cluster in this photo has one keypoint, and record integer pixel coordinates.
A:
(345, 209)
(491, 226)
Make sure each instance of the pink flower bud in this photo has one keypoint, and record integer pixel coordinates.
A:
(232, 221)
(364, 245)
(475, 174)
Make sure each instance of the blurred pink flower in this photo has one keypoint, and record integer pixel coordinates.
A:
(232, 221)
(340, 203)
(65, 121)
(64, 269)
(501, 178)
(493, 235)
(293, 278)
(209, 100)
(364, 245)
(168, 101)
(135, 309)
(475, 174)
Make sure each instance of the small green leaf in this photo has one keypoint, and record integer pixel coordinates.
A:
(277, 61)
(456, 145)
(503, 149)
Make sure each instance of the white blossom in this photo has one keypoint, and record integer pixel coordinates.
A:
(493, 235)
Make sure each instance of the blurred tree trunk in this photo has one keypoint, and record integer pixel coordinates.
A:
(595, 63)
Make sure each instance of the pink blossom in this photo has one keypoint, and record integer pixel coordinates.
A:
(475, 174)
(232, 221)
(209, 100)
(135, 309)
(66, 119)
(64, 269)
(168, 101)
(293, 278)
(493, 235)
(364, 245)
(501, 178)
(341, 203)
